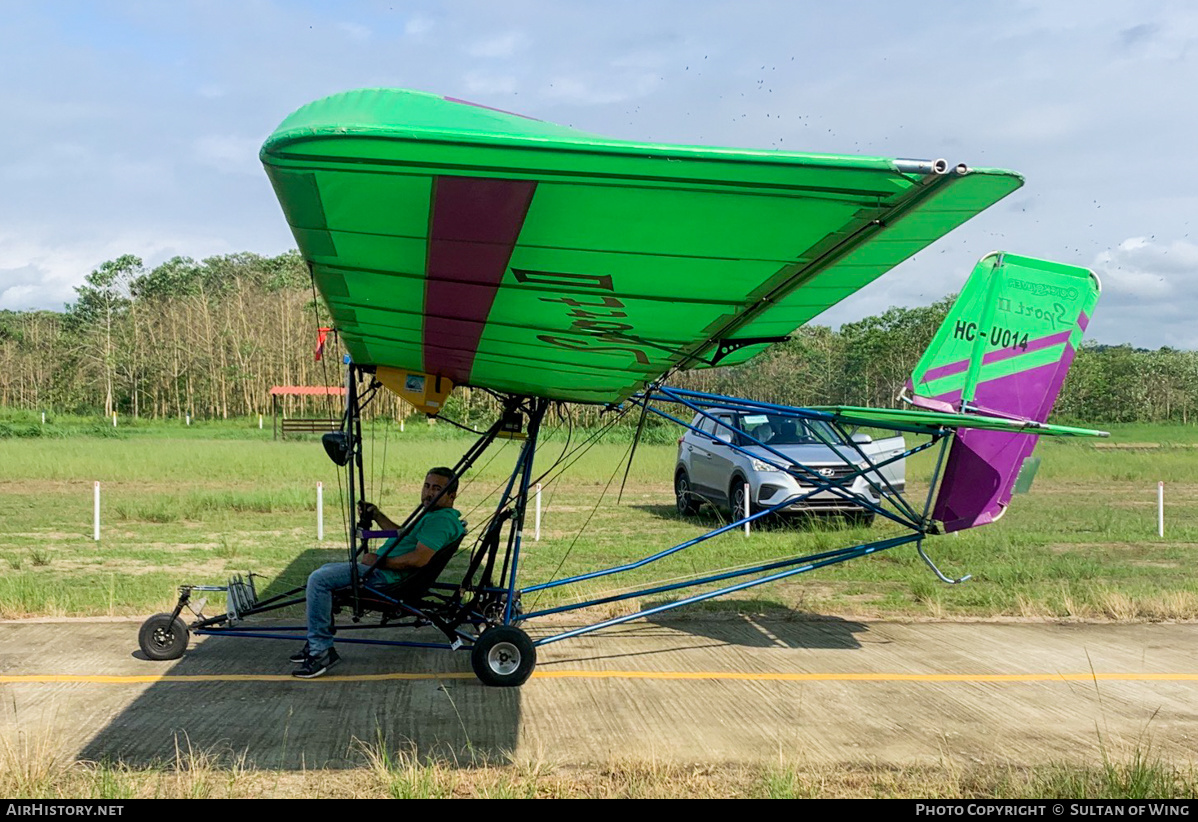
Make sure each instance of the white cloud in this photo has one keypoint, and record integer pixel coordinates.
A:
(589, 92)
(211, 91)
(499, 45)
(1141, 269)
(17, 289)
(484, 82)
(418, 26)
(229, 154)
(39, 269)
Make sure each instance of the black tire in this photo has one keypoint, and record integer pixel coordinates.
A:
(736, 499)
(161, 638)
(503, 657)
(687, 502)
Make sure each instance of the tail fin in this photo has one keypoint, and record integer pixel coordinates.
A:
(1003, 350)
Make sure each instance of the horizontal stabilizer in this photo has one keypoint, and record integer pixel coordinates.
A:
(1003, 351)
(919, 421)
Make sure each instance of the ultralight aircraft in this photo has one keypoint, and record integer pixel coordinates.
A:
(458, 245)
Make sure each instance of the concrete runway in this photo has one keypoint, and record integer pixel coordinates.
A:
(733, 690)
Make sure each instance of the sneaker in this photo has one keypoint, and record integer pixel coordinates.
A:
(299, 656)
(315, 666)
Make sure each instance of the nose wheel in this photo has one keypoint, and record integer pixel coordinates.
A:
(163, 636)
(503, 657)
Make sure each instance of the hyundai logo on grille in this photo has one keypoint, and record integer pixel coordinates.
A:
(827, 472)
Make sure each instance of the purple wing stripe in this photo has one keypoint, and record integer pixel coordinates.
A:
(475, 223)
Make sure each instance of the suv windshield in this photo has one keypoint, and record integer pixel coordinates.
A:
(772, 429)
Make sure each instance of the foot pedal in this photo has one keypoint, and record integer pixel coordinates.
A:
(240, 597)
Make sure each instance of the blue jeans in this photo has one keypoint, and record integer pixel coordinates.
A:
(321, 584)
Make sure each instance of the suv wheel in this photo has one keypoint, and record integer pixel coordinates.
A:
(685, 498)
(736, 498)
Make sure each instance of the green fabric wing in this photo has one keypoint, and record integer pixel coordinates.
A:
(508, 253)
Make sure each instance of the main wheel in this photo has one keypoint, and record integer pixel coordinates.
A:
(162, 638)
(688, 503)
(503, 657)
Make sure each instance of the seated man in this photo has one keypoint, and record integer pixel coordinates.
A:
(437, 527)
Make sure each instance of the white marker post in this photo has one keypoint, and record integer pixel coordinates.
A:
(43, 418)
(188, 417)
(96, 515)
(114, 419)
(320, 511)
(1160, 508)
(746, 508)
(537, 530)
(259, 422)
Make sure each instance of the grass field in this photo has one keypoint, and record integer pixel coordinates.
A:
(33, 771)
(196, 504)
(382, 776)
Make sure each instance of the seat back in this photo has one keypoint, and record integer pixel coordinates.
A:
(422, 578)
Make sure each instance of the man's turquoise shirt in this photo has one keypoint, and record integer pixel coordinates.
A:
(436, 529)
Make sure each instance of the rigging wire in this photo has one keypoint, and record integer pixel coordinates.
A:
(582, 448)
(568, 419)
(590, 516)
(492, 492)
(324, 364)
(373, 461)
(503, 482)
(640, 429)
(383, 469)
(456, 424)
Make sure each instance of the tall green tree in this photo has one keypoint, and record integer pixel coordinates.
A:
(98, 315)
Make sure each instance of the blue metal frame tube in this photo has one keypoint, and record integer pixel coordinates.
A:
(660, 554)
(359, 627)
(785, 410)
(255, 635)
(863, 550)
(693, 582)
(832, 423)
(834, 487)
(534, 430)
(871, 466)
(823, 485)
(724, 529)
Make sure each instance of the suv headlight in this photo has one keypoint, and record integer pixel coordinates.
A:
(758, 465)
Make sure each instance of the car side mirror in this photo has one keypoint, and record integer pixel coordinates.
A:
(862, 439)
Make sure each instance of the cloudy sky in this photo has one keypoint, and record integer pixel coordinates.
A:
(134, 127)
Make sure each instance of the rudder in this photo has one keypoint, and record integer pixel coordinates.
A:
(1004, 351)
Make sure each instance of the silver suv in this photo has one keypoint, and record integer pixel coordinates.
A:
(709, 471)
